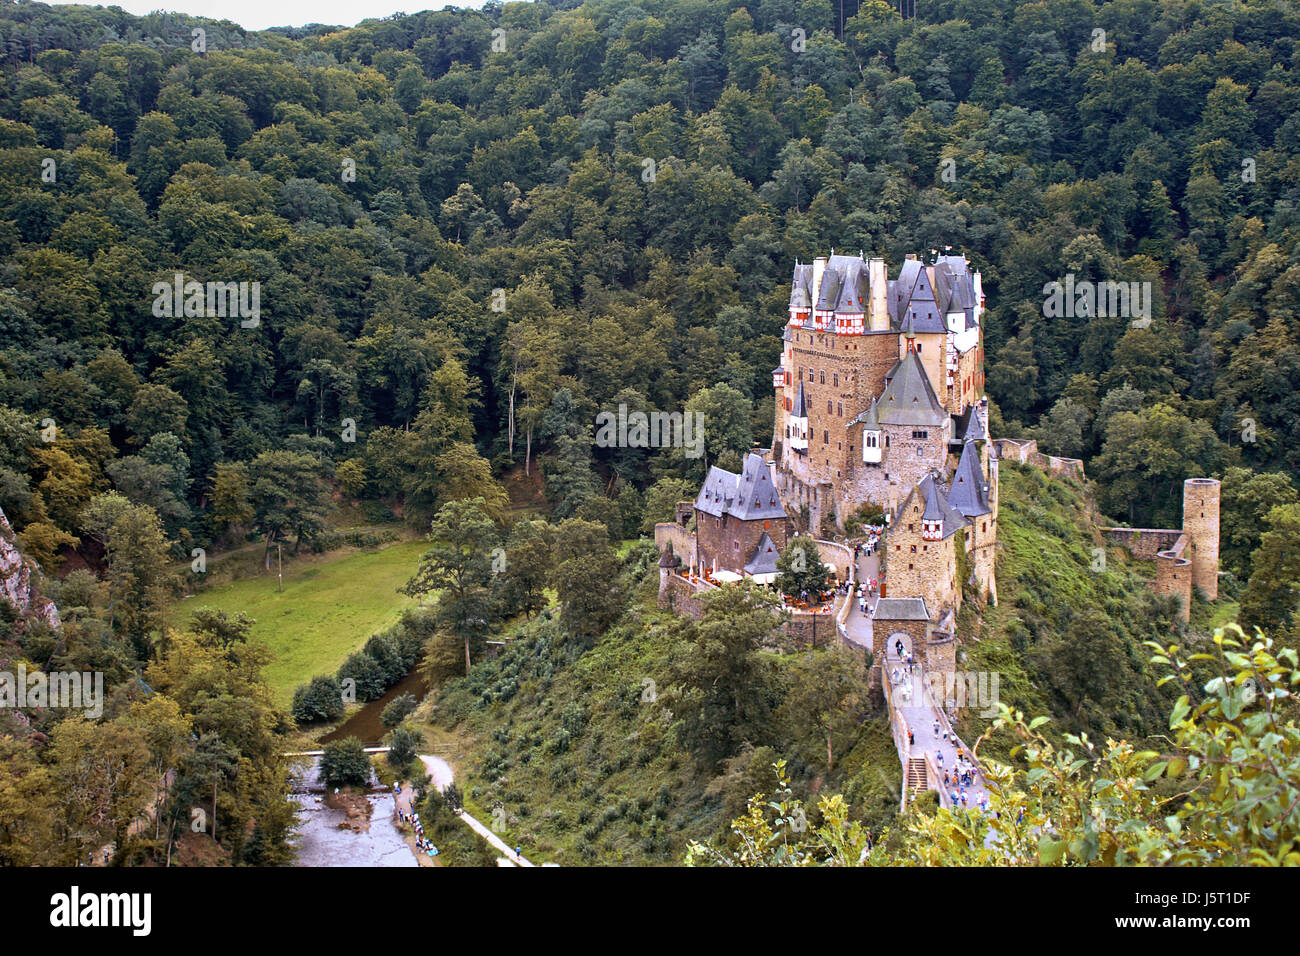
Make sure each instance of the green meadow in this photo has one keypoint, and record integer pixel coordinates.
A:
(330, 606)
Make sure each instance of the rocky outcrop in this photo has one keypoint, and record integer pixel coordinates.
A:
(19, 580)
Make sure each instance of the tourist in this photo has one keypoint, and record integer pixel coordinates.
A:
(911, 739)
(939, 757)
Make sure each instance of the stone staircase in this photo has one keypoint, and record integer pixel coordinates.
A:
(916, 776)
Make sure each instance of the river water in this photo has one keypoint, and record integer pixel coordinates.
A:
(322, 842)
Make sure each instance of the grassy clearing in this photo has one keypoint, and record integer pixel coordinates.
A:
(331, 605)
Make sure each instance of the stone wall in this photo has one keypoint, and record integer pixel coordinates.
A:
(683, 596)
(807, 630)
(683, 542)
(1174, 577)
(1143, 543)
(883, 632)
(837, 556)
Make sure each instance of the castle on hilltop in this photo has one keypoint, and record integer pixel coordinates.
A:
(880, 408)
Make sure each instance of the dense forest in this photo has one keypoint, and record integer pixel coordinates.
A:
(469, 231)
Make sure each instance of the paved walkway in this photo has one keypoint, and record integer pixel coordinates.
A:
(858, 626)
(919, 712)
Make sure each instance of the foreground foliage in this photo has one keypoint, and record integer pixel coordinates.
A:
(1233, 796)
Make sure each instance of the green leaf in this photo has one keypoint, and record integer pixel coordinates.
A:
(1155, 770)
(1049, 850)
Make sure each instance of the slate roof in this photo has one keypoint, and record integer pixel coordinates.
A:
(854, 286)
(800, 403)
(869, 419)
(758, 497)
(968, 492)
(909, 398)
(829, 292)
(936, 508)
(968, 426)
(901, 609)
(749, 496)
(763, 558)
(668, 559)
(955, 287)
(912, 295)
(800, 286)
(718, 492)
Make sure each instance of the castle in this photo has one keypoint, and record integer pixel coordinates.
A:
(880, 409)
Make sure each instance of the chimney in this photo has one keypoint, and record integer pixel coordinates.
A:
(878, 307)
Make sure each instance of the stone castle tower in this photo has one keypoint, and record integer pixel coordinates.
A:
(880, 407)
(1201, 525)
(877, 380)
(1193, 559)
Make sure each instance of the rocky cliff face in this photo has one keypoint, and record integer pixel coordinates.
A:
(16, 579)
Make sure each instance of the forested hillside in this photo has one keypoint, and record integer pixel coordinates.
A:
(456, 236)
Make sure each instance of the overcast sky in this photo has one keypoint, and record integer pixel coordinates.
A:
(260, 14)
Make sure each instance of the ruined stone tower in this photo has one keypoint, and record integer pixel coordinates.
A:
(1201, 526)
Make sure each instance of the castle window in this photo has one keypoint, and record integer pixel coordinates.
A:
(826, 438)
(914, 549)
(839, 410)
(829, 410)
(909, 567)
(823, 376)
(767, 525)
(925, 547)
(836, 376)
(909, 527)
(984, 525)
(919, 346)
(920, 433)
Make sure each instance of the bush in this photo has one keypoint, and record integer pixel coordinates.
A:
(369, 676)
(319, 699)
(344, 763)
(397, 710)
(403, 744)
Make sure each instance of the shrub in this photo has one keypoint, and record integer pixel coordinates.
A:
(397, 710)
(345, 763)
(319, 699)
